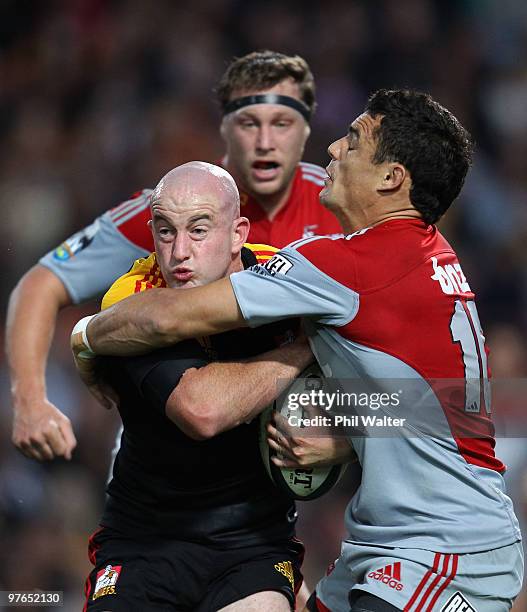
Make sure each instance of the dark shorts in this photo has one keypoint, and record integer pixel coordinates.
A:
(162, 575)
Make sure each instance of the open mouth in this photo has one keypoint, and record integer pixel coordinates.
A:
(265, 165)
(265, 170)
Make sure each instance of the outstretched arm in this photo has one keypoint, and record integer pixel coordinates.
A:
(40, 430)
(221, 396)
(161, 317)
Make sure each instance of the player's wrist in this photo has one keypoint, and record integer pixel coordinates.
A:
(25, 394)
(80, 344)
(303, 354)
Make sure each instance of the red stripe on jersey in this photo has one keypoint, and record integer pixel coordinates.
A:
(92, 547)
(135, 198)
(151, 279)
(423, 582)
(137, 231)
(121, 210)
(129, 212)
(445, 584)
(307, 167)
(435, 582)
(321, 607)
(92, 553)
(397, 571)
(132, 197)
(87, 589)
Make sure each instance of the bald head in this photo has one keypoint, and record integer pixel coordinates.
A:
(196, 224)
(195, 183)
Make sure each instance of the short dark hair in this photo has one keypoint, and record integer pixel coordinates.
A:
(428, 140)
(262, 70)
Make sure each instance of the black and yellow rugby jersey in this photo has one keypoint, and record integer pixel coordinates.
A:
(145, 273)
(214, 491)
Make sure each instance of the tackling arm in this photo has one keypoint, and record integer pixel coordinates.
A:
(40, 430)
(221, 396)
(161, 317)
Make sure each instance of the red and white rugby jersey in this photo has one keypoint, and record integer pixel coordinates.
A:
(391, 304)
(89, 261)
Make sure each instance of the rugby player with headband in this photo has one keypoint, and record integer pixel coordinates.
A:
(293, 103)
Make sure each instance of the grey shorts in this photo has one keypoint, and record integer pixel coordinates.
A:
(416, 580)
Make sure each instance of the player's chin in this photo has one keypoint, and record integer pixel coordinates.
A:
(189, 284)
(268, 188)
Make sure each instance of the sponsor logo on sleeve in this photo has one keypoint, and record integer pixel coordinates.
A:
(278, 264)
(106, 581)
(458, 603)
(76, 243)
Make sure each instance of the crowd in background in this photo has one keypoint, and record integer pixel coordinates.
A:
(99, 98)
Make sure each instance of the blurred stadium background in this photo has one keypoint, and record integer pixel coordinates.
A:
(99, 98)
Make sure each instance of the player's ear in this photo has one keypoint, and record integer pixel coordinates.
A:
(223, 128)
(241, 227)
(150, 225)
(392, 176)
(307, 132)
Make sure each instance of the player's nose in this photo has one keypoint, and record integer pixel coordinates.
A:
(333, 149)
(181, 247)
(264, 139)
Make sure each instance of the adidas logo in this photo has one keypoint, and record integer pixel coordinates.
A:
(390, 575)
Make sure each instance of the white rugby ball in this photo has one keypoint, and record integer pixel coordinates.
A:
(299, 483)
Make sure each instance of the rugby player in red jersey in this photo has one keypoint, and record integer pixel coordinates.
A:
(430, 527)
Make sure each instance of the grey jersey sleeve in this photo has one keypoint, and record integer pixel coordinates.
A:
(289, 285)
(89, 261)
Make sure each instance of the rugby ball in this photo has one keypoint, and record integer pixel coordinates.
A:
(303, 484)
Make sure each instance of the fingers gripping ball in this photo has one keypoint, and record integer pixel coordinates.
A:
(299, 483)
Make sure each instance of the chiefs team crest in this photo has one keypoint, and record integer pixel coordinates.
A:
(106, 581)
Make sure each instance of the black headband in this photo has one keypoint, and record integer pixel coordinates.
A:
(297, 105)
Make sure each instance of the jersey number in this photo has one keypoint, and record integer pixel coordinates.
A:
(466, 329)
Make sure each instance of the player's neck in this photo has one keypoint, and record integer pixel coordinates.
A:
(408, 214)
(356, 220)
(236, 265)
